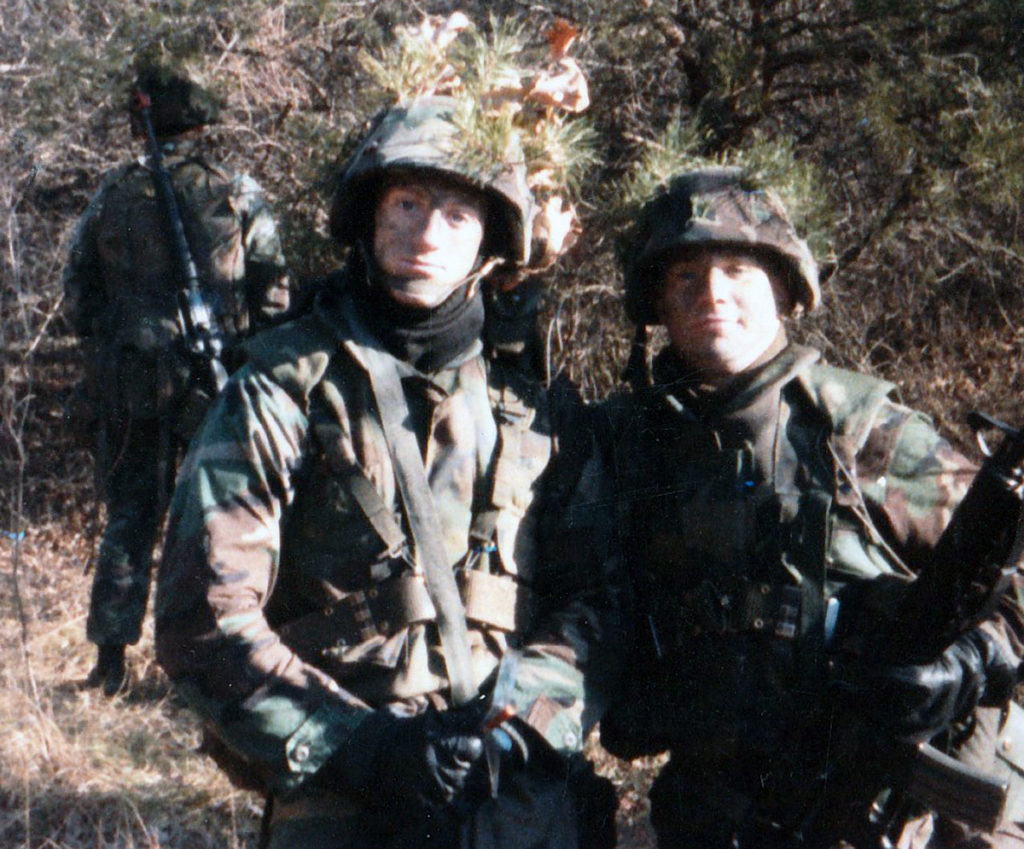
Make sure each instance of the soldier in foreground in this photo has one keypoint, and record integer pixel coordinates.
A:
(383, 585)
(772, 505)
(141, 397)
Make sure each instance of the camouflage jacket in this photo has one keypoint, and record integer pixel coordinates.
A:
(286, 604)
(745, 512)
(119, 280)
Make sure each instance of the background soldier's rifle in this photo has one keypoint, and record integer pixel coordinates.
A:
(971, 567)
(200, 332)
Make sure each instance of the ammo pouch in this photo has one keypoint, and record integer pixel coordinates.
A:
(491, 601)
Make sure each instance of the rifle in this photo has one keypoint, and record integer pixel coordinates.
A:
(974, 560)
(202, 337)
(972, 566)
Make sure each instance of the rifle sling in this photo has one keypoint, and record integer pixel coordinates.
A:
(420, 510)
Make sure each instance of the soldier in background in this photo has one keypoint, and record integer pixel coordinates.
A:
(372, 483)
(139, 398)
(758, 487)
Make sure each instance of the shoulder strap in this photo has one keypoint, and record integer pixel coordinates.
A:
(421, 512)
(363, 492)
(514, 416)
(852, 403)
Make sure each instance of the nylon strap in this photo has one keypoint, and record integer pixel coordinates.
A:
(420, 510)
(373, 508)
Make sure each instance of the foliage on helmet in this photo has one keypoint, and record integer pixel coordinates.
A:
(178, 103)
(664, 204)
(487, 119)
(419, 138)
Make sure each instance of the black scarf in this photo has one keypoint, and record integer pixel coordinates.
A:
(427, 339)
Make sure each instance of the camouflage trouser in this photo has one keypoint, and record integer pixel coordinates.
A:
(530, 810)
(139, 462)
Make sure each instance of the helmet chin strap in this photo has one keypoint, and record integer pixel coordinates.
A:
(473, 280)
(638, 370)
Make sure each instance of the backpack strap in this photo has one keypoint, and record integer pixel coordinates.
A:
(420, 509)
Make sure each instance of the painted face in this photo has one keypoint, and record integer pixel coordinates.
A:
(426, 239)
(721, 309)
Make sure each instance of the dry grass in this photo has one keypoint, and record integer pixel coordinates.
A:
(79, 770)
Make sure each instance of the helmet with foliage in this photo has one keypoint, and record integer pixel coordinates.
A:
(708, 208)
(178, 103)
(420, 138)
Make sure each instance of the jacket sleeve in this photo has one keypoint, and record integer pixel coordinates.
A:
(266, 273)
(221, 554)
(913, 480)
(571, 659)
(83, 274)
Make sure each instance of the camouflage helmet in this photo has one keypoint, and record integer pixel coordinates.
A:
(715, 207)
(419, 138)
(178, 103)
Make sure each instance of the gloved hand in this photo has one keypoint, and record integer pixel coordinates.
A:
(511, 744)
(914, 702)
(425, 759)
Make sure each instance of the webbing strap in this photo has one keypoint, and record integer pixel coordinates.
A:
(362, 491)
(502, 481)
(420, 510)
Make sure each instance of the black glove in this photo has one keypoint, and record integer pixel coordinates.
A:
(424, 759)
(914, 702)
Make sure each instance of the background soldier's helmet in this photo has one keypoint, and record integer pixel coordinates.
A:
(422, 138)
(715, 207)
(178, 103)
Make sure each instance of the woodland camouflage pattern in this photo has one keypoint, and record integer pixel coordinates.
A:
(121, 291)
(708, 208)
(265, 536)
(746, 508)
(422, 137)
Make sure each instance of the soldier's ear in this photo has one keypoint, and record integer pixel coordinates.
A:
(785, 299)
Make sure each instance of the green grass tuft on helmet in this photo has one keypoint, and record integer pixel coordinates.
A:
(420, 137)
(708, 208)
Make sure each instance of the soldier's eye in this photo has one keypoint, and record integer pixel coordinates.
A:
(458, 215)
(683, 276)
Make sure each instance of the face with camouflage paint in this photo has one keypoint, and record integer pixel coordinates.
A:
(426, 238)
(721, 309)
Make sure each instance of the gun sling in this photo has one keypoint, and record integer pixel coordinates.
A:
(420, 510)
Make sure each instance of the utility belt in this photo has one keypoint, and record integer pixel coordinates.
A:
(491, 601)
(736, 605)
